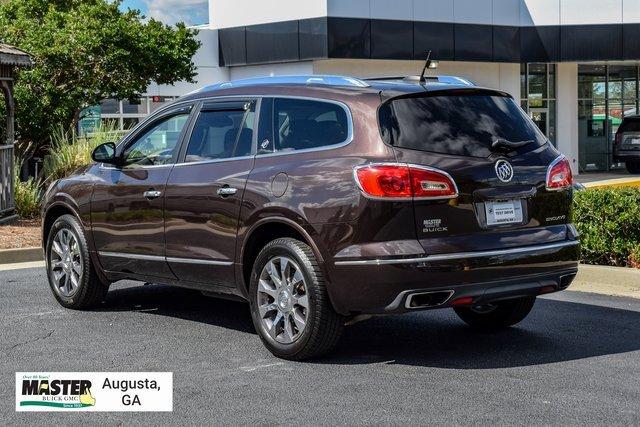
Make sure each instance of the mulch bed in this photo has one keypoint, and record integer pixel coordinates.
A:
(20, 234)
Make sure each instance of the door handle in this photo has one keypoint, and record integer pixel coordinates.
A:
(152, 194)
(227, 191)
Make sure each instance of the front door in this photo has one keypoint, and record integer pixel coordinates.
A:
(204, 193)
(127, 203)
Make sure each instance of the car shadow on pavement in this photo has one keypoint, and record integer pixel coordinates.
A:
(555, 331)
(180, 303)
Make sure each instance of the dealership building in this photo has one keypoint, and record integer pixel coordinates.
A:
(573, 64)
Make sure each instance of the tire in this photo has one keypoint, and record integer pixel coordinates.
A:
(633, 167)
(322, 326)
(87, 290)
(498, 315)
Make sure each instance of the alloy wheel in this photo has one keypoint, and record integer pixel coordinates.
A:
(65, 263)
(283, 302)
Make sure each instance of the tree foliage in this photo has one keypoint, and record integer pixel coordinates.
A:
(85, 51)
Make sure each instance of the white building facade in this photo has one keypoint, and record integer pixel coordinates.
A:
(573, 64)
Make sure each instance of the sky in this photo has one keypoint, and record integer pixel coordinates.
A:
(192, 12)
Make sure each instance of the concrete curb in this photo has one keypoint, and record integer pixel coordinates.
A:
(616, 182)
(13, 256)
(618, 281)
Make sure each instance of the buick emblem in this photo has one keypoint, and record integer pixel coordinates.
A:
(504, 170)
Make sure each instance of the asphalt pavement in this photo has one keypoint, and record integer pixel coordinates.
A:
(574, 360)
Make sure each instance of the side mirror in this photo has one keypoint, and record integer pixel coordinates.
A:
(105, 153)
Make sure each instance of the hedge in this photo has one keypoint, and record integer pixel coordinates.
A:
(608, 220)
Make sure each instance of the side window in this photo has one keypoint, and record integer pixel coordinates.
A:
(301, 124)
(157, 144)
(221, 134)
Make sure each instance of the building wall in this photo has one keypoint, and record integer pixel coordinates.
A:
(234, 13)
(505, 77)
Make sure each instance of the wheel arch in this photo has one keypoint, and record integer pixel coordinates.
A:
(264, 231)
(53, 212)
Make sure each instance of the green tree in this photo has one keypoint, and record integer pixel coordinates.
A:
(85, 51)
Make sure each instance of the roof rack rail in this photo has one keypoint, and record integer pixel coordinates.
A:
(450, 80)
(320, 80)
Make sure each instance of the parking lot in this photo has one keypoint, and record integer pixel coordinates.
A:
(575, 360)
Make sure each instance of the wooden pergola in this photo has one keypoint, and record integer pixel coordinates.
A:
(10, 59)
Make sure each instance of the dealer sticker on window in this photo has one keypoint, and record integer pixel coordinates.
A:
(94, 391)
(503, 212)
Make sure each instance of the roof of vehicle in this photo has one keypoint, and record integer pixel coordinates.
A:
(389, 86)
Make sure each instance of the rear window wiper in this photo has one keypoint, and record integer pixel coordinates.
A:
(510, 144)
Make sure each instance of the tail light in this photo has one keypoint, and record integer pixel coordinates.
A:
(618, 139)
(559, 174)
(402, 181)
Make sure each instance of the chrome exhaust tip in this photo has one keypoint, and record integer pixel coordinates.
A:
(427, 299)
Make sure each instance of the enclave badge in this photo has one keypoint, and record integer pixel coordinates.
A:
(504, 170)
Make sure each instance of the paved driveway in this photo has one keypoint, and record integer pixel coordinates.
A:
(575, 360)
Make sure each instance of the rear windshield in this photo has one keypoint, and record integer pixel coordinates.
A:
(630, 125)
(459, 124)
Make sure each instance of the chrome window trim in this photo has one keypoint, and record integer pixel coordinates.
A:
(204, 162)
(404, 199)
(461, 255)
(345, 107)
(163, 258)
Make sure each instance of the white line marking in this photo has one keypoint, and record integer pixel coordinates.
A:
(253, 368)
(21, 265)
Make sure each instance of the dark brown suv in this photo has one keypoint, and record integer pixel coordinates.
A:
(322, 200)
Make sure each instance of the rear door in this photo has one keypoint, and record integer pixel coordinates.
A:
(498, 160)
(204, 192)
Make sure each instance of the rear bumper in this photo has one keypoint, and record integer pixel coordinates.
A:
(626, 155)
(384, 285)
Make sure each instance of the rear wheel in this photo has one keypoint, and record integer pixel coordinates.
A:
(290, 306)
(498, 315)
(633, 167)
(72, 275)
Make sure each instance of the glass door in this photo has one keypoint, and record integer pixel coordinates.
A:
(540, 117)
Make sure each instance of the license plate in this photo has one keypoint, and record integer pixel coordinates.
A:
(635, 141)
(503, 212)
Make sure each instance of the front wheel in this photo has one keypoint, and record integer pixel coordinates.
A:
(497, 315)
(72, 275)
(290, 306)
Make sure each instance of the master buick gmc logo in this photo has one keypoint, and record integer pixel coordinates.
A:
(504, 170)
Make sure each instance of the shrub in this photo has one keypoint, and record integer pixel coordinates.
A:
(608, 220)
(27, 196)
(69, 151)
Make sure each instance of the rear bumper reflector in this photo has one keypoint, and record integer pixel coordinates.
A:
(462, 255)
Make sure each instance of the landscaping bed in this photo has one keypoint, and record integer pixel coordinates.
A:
(20, 234)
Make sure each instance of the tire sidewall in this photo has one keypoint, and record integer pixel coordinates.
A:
(288, 249)
(70, 223)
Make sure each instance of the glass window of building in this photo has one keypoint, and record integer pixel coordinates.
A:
(110, 106)
(607, 94)
(538, 96)
(135, 106)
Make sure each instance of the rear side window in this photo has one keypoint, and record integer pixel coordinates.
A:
(302, 124)
(221, 134)
(630, 125)
(459, 124)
